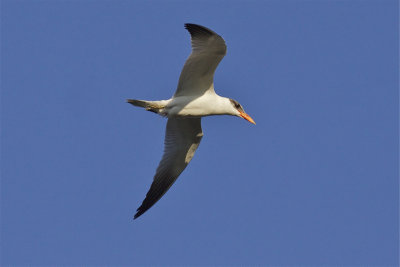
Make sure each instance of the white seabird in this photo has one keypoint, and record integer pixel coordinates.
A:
(194, 98)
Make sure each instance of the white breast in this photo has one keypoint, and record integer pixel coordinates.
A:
(198, 106)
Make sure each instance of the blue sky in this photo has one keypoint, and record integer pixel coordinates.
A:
(315, 182)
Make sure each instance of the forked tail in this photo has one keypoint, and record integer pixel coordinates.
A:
(153, 106)
(138, 103)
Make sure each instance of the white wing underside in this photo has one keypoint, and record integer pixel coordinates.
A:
(208, 49)
(182, 138)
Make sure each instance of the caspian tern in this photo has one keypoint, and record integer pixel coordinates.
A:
(194, 98)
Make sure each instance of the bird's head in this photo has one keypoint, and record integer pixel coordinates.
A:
(239, 111)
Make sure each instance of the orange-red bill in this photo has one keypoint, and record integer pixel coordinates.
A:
(247, 117)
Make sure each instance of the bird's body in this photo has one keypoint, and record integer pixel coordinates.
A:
(189, 106)
(194, 98)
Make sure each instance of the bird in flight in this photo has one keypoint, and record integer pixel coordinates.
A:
(194, 98)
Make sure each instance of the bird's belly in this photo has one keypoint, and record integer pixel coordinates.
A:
(198, 107)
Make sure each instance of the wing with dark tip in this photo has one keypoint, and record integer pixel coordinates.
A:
(182, 138)
(208, 49)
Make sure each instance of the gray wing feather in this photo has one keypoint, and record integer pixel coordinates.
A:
(208, 49)
(182, 138)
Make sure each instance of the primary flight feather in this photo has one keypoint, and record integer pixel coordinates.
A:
(194, 98)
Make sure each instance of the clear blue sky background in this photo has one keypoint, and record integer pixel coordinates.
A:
(314, 182)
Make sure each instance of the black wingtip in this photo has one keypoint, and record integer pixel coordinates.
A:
(195, 29)
(139, 212)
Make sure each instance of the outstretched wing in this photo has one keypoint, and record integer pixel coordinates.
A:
(208, 49)
(182, 138)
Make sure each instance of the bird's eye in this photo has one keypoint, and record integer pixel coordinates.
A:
(235, 104)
